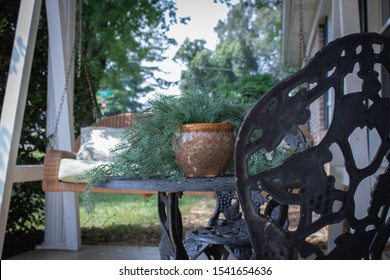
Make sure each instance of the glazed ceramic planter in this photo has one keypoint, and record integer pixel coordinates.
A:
(204, 149)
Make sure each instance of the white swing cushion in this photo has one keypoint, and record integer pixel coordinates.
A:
(71, 169)
(96, 143)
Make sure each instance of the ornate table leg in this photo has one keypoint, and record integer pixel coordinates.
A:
(171, 244)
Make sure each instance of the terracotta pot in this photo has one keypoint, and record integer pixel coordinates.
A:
(204, 149)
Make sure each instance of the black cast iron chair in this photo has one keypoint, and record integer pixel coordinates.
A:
(226, 233)
(302, 180)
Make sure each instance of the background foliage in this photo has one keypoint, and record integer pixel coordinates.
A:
(247, 59)
(119, 39)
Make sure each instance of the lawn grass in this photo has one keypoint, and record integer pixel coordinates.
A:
(128, 219)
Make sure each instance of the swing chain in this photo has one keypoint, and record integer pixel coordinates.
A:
(91, 92)
(77, 45)
(81, 62)
(64, 94)
(80, 33)
(302, 39)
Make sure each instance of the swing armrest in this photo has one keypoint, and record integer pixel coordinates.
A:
(52, 166)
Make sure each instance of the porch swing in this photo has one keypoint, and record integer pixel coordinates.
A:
(62, 168)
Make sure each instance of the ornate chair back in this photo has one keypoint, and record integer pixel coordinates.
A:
(303, 181)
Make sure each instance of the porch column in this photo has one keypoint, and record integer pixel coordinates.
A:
(15, 101)
(62, 229)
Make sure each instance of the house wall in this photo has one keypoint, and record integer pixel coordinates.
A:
(341, 18)
(335, 19)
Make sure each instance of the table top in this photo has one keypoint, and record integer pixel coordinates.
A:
(210, 184)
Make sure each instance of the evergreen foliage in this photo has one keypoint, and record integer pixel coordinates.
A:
(146, 147)
(263, 160)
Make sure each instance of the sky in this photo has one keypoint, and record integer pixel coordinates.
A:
(204, 17)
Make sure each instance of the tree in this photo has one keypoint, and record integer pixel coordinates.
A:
(251, 87)
(198, 60)
(256, 27)
(246, 61)
(118, 39)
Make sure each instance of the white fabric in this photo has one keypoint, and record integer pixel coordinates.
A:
(71, 169)
(96, 143)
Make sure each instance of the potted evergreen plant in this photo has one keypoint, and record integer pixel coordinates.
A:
(149, 147)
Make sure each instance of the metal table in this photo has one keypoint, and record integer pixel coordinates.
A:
(169, 191)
